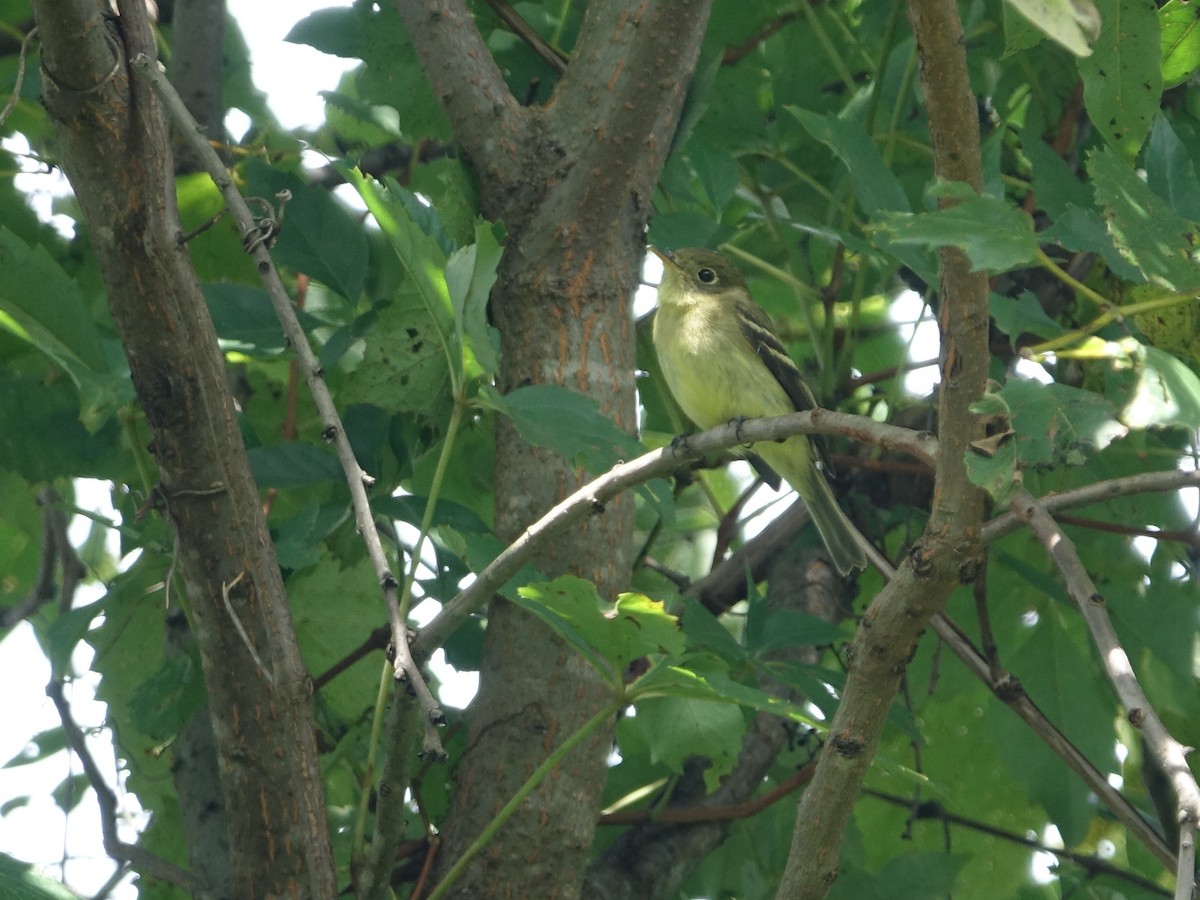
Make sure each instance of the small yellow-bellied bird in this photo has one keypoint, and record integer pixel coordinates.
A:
(722, 362)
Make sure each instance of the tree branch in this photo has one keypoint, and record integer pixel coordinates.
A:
(488, 123)
(113, 144)
(592, 497)
(949, 551)
(57, 554)
(1171, 755)
(139, 858)
(356, 479)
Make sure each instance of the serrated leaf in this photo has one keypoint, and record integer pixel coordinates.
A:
(318, 236)
(1056, 187)
(404, 365)
(679, 728)
(608, 637)
(1074, 24)
(568, 423)
(876, 188)
(1147, 233)
(994, 235)
(1054, 421)
(1081, 230)
(1122, 80)
(56, 320)
(428, 314)
(470, 274)
(1180, 41)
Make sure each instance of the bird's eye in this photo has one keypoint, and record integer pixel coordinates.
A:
(706, 275)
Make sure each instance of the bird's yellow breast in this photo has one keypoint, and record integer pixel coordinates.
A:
(712, 371)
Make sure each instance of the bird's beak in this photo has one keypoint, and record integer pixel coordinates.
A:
(666, 256)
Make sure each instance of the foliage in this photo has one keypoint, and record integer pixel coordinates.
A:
(804, 152)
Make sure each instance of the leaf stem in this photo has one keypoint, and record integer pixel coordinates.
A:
(539, 775)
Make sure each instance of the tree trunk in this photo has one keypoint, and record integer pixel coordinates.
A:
(113, 146)
(572, 183)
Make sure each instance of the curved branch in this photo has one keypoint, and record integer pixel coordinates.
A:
(591, 498)
(139, 858)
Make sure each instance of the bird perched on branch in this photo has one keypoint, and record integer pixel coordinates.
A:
(722, 361)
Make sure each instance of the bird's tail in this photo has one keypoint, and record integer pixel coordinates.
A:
(793, 460)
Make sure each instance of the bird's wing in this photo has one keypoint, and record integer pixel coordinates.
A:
(756, 328)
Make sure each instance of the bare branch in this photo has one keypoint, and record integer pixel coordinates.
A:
(592, 497)
(57, 555)
(1171, 755)
(138, 857)
(357, 480)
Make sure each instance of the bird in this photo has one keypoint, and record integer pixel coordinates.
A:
(723, 362)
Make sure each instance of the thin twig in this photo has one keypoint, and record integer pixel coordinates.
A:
(932, 809)
(1008, 690)
(138, 857)
(333, 431)
(1171, 755)
(592, 497)
(237, 623)
(15, 97)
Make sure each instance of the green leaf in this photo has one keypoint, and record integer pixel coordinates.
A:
(1020, 315)
(424, 260)
(1122, 80)
(166, 701)
(1147, 233)
(334, 31)
(293, 465)
(1075, 24)
(566, 422)
(995, 235)
(21, 881)
(1166, 392)
(1170, 171)
(246, 321)
(70, 791)
(404, 365)
(677, 729)
(792, 628)
(318, 235)
(55, 319)
(1180, 41)
(876, 188)
(445, 512)
(609, 638)
(1049, 425)
(392, 75)
(470, 274)
(1082, 230)
(1056, 187)
(703, 629)
(41, 746)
